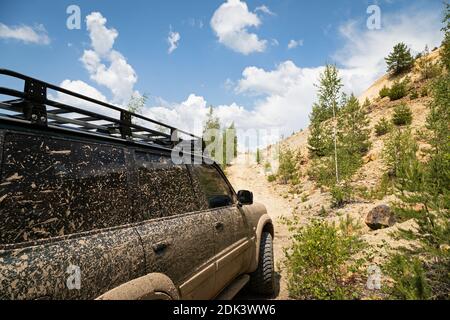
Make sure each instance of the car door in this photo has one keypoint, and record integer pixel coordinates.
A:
(177, 236)
(65, 215)
(231, 233)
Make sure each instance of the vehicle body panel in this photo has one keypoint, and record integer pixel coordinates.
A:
(43, 269)
(149, 239)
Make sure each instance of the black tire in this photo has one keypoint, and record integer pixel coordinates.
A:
(262, 281)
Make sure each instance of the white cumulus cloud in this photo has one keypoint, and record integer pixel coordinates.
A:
(363, 52)
(24, 33)
(264, 9)
(85, 89)
(230, 23)
(287, 94)
(284, 95)
(294, 43)
(172, 40)
(106, 66)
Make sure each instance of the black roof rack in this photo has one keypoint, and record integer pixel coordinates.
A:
(33, 106)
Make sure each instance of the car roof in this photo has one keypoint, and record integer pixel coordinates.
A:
(32, 108)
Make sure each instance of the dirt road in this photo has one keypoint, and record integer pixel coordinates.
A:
(244, 174)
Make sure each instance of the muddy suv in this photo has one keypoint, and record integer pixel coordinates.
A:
(92, 205)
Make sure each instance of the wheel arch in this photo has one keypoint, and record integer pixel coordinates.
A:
(268, 227)
(153, 286)
(264, 225)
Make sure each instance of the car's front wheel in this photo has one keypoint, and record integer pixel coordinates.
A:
(262, 281)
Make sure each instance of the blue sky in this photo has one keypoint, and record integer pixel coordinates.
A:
(240, 63)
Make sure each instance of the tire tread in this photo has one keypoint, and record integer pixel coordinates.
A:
(262, 280)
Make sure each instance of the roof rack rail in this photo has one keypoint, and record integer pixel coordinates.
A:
(33, 106)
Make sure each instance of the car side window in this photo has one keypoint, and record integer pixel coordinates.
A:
(55, 186)
(216, 190)
(165, 188)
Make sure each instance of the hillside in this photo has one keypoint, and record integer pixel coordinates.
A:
(371, 172)
(307, 201)
(372, 169)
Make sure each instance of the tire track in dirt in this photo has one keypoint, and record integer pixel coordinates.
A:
(244, 174)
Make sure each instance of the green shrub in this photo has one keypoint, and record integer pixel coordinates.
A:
(287, 170)
(382, 127)
(414, 95)
(328, 93)
(398, 90)
(304, 198)
(383, 188)
(295, 180)
(271, 178)
(384, 92)
(424, 92)
(402, 115)
(426, 67)
(353, 132)
(408, 276)
(320, 263)
(366, 105)
(321, 171)
(323, 212)
(399, 151)
(352, 144)
(423, 194)
(445, 52)
(340, 194)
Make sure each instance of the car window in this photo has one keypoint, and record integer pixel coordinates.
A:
(165, 188)
(216, 190)
(54, 187)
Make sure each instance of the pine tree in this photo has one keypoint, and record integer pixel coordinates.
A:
(424, 193)
(366, 105)
(229, 140)
(225, 158)
(353, 128)
(400, 59)
(352, 143)
(382, 127)
(212, 122)
(258, 156)
(399, 152)
(438, 124)
(402, 115)
(319, 139)
(342, 151)
(211, 133)
(137, 103)
(232, 129)
(446, 42)
(287, 168)
(329, 91)
(426, 67)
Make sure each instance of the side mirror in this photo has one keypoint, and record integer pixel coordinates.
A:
(245, 197)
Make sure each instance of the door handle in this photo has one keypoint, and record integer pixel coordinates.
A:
(160, 247)
(219, 226)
